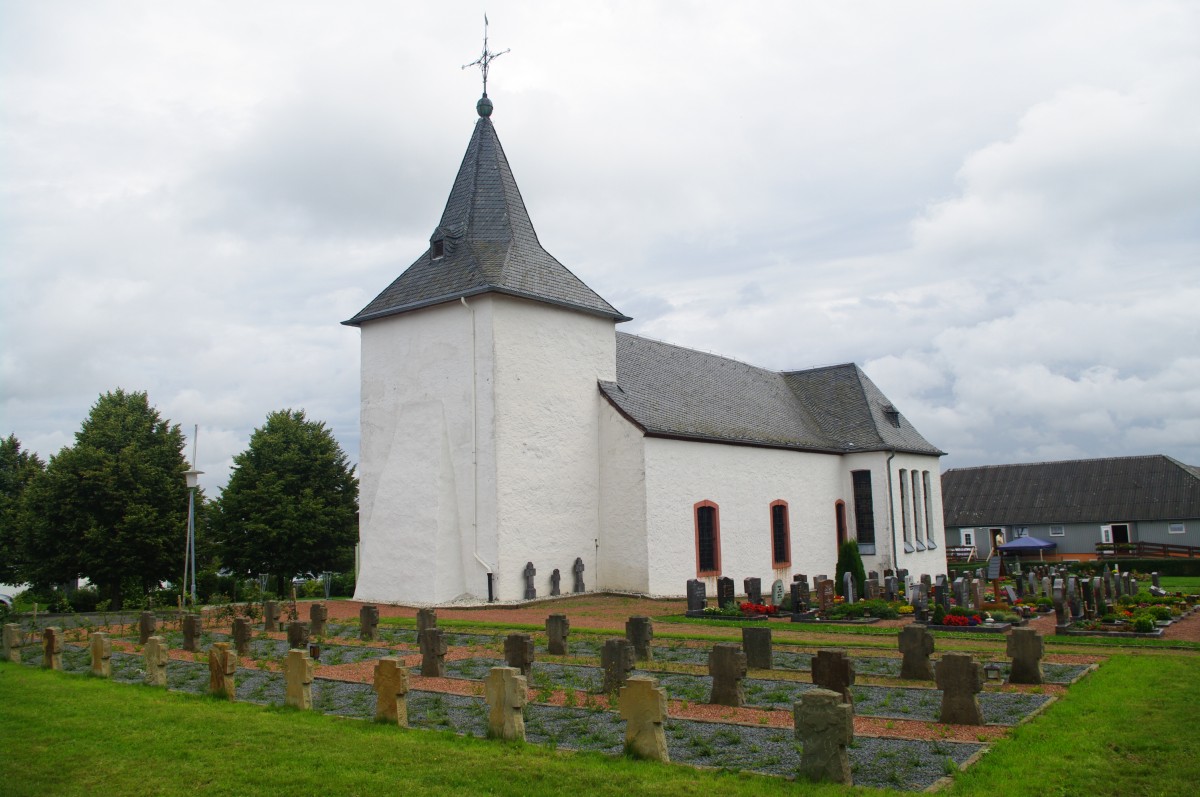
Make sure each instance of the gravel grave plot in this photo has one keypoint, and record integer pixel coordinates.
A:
(894, 702)
(879, 762)
(408, 636)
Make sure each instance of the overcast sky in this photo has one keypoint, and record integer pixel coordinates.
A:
(994, 208)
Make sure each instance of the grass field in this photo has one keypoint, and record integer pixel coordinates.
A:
(1126, 730)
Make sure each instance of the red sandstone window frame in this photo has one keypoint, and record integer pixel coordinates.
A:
(786, 561)
(716, 534)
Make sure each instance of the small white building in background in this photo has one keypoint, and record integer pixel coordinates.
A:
(507, 423)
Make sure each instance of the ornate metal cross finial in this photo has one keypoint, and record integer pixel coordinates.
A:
(484, 60)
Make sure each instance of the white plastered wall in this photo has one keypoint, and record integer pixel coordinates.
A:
(742, 481)
(547, 363)
(624, 556)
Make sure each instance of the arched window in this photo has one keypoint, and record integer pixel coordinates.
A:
(781, 535)
(839, 514)
(708, 539)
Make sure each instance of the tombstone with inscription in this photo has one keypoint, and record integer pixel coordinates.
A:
(756, 641)
(518, 653)
(753, 587)
(874, 591)
(639, 632)
(961, 680)
(554, 582)
(834, 670)
(577, 569)
(825, 595)
(697, 597)
(557, 629)
(529, 572)
(1062, 609)
(725, 594)
(616, 661)
(727, 667)
(890, 588)
(799, 599)
(824, 724)
(777, 592)
(1011, 595)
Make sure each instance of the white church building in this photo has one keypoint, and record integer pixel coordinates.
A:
(507, 423)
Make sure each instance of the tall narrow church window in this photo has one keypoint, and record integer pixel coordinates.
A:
(839, 519)
(864, 510)
(904, 511)
(781, 545)
(708, 539)
(929, 525)
(918, 508)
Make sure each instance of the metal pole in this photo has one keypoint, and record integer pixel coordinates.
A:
(192, 537)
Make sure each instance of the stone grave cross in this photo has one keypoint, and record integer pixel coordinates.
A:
(961, 680)
(391, 691)
(727, 666)
(577, 569)
(643, 706)
(834, 670)
(101, 649)
(298, 673)
(825, 727)
(916, 643)
(222, 665)
(155, 658)
(1026, 648)
(505, 689)
(52, 648)
(529, 572)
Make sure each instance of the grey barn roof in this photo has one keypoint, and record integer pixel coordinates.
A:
(672, 391)
(489, 246)
(1076, 491)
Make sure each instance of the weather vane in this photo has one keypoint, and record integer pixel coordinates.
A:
(484, 60)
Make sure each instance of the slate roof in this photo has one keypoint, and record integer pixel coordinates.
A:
(672, 391)
(1076, 491)
(489, 245)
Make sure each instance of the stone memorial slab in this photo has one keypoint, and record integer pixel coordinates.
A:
(101, 649)
(916, 643)
(696, 597)
(297, 634)
(14, 640)
(298, 675)
(725, 594)
(890, 588)
(617, 661)
(557, 629)
(154, 659)
(753, 588)
(777, 592)
(1026, 648)
(433, 652)
(147, 624)
(241, 635)
(825, 595)
(874, 591)
(577, 569)
(191, 633)
(506, 694)
(848, 587)
(756, 642)
(799, 603)
(426, 618)
(222, 665)
(643, 706)
(1154, 579)
(518, 653)
(639, 632)
(1011, 595)
(727, 666)
(824, 725)
(318, 616)
(391, 691)
(961, 680)
(834, 670)
(368, 623)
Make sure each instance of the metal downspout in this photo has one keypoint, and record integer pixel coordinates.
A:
(475, 456)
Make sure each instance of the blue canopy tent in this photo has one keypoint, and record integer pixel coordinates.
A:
(1027, 545)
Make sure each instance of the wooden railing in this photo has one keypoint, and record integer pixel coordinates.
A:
(1146, 550)
(960, 553)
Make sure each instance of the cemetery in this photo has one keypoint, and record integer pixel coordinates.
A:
(773, 697)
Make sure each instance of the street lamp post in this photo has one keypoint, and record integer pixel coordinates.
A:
(189, 559)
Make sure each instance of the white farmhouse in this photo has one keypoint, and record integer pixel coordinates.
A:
(507, 423)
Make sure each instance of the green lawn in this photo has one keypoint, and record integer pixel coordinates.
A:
(1126, 730)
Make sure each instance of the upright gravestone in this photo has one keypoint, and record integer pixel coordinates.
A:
(825, 727)
(318, 616)
(799, 604)
(753, 588)
(298, 676)
(1089, 598)
(960, 591)
(961, 681)
(297, 635)
(890, 589)
(1011, 595)
(617, 661)
(639, 632)
(777, 592)
(101, 649)
(433, 652)
(270, 615)
(1047, 588)
(643, 706)
(557, 629)
(697, 598)
(727, 667)
(391, 691)
(805, 594)
(426, 618)
(848, 587)
(529, 572)
(155, 658)
(147, 623)
(241, 635)
(577, 569)
(725, 594)
(518, 653)
(506, 695)
(555, 578)
(978, 599)
(756, 641)
(1154, 580)
(222, 665)
(191, 633)
(368, 623)
(834, 670)
(916, 643)
(14, 640)
(1062, 609)
(874, 591)
(1026, 648)
(825, 595)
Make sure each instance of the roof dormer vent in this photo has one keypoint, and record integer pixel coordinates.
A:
(893, 414)
(437, 248)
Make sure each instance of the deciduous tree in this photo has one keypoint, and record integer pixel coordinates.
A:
(17, 470)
